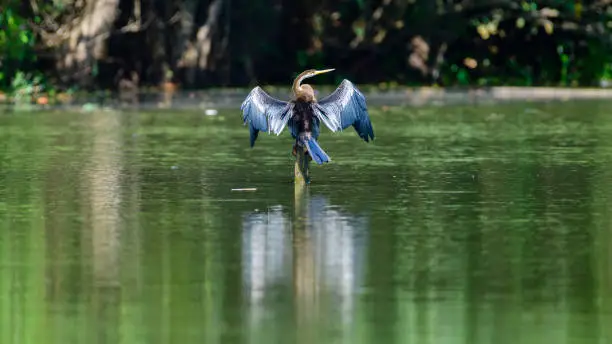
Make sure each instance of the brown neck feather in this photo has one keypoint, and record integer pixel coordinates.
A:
(306, 93)
(298, 80)
(302, 92)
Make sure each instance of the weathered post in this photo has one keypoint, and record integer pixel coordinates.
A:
(301, 171)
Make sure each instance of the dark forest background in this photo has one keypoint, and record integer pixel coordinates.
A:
(194, 44)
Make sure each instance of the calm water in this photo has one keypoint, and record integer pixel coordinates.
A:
(469, 224)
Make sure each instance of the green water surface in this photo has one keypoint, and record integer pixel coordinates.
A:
(459, 224)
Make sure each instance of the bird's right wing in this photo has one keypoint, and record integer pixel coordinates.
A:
(265, 113)
(346, 106)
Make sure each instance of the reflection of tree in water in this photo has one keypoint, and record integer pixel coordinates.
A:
(316, 259)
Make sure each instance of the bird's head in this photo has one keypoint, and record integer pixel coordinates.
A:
(297, 84)
(314, 72)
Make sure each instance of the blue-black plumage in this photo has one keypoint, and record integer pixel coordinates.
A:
(316, 152)
(345, 107)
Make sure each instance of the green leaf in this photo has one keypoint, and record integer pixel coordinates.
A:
(525, 6)
(23, 37)
(462, 77)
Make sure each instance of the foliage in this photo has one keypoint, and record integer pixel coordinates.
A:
(24, 87)
(474, 42)
(16, 45)
(239, 42)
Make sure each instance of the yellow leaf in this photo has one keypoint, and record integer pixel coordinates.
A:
(379, 36)
(483, 32)
(548, 27)
(470, 62)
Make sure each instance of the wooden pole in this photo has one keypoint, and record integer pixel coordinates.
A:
(305, 283)
(302, 174)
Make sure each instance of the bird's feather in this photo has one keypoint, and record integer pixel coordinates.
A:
(265, 113)
(316, 152)
(296, 122)
(346, 106)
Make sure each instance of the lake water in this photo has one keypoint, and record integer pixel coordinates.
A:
(459, 224)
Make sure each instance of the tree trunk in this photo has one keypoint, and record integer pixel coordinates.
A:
(187, 13)
(197, 55)
(427, 51)
(85, 43)
(156, 72)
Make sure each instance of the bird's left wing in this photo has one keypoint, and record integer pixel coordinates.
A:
(346, 106)
(265, 113)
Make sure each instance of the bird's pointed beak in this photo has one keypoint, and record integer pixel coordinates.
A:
(324, 71)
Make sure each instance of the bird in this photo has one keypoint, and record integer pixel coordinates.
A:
(303, 114)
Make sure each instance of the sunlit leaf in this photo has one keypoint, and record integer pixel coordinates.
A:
(578, 10)
(525, 6)
(549, 12)
(492, 28)
(548, 26)
(23, 37)
(483, 32)
(359, 29)
(470, 62)
(380, 36)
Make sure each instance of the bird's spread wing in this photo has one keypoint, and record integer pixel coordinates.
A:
(346, 106)
(265, 113)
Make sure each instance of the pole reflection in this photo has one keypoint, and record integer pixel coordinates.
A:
(339, 240)
(312, 258)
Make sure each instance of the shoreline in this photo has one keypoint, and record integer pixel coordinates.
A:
(221, 98)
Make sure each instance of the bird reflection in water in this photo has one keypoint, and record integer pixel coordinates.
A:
(315, 252)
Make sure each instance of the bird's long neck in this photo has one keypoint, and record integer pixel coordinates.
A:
(297, 88)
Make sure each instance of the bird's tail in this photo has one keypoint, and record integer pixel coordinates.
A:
(316, 152)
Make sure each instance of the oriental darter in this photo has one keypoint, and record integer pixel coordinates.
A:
(346, 106)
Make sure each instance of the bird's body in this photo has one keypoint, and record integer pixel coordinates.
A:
(303, 114)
